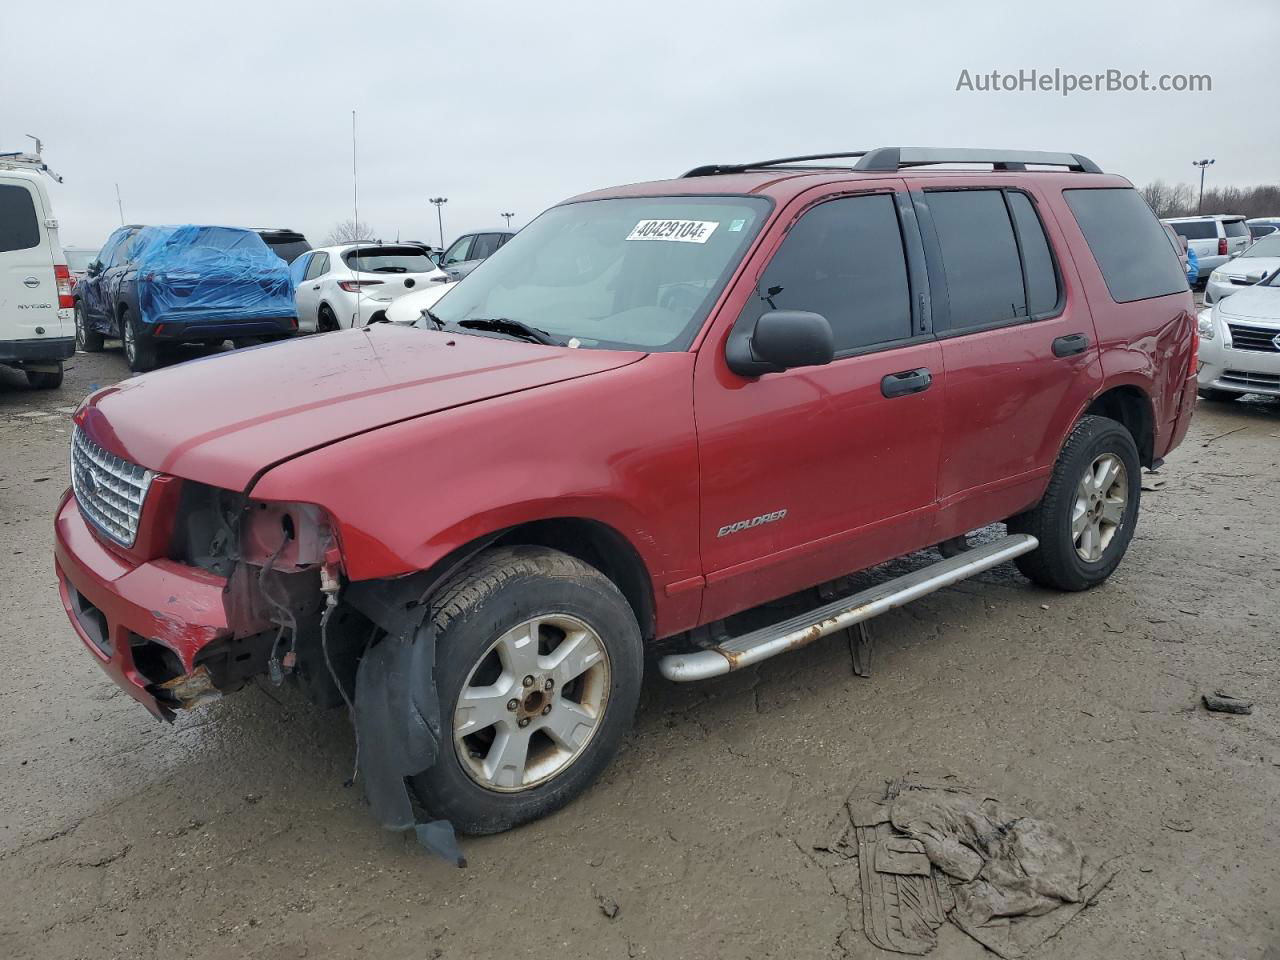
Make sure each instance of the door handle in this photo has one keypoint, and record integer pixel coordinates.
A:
(316, 287)
(906, 382)
(1070, 345)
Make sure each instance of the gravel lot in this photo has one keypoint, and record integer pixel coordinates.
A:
(229, 833)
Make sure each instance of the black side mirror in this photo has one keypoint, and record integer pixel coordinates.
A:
(780, 340)
(93, 269)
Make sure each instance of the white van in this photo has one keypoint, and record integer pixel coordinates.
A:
(37, 329)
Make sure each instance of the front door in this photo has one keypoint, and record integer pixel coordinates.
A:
(814, 472)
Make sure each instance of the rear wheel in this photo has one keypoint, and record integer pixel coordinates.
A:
(539, 668)
(325, 320)
(90, 341)
(1221, 396)
(1089, 512)
(45, 380)
(139, 349)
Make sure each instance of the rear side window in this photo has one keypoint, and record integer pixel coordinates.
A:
(484, 246)
(318, 264)
(1194, 229)
(1125, 239)
(19, 228)
(979, 257)
(1235, 228)
(844, 259)
(1042, 277)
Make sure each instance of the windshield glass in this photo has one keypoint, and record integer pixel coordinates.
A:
(638, 273)
(1268, 246)
(375, 260)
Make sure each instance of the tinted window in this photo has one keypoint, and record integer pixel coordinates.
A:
(389, 260)
(979, 257)
(458, 252)
(1196, 229)
(844, 260)
(316, 266)
(1235, 228)
(120, 252)
(1125, 239)
(484, 246)
(1042, 279)
(1266, 247)
(19, 229)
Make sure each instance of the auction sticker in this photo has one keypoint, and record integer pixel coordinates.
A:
(678, 231)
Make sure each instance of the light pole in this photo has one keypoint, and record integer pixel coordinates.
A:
(439, 203)
(508, 216)
(1201, 164)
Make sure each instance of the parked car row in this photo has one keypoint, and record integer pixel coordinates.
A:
(352, 285)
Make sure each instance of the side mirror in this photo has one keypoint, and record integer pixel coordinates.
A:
(1234, 255)
(780, 340)
(93, 269)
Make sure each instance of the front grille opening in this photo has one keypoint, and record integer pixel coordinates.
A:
(156, 662)
(92, 620)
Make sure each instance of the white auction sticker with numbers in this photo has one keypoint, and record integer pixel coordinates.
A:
(679, 231)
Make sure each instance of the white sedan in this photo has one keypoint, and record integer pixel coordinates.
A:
(352, 285)
(1240, 343)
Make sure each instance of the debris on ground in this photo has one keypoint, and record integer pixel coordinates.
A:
(1220, 702)
(608, 906)
(933, 851)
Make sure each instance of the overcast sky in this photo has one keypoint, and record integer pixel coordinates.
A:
(239, 112)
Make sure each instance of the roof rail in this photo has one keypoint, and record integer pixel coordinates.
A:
(27, 161)
(898, 158)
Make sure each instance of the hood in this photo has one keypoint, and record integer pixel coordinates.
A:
(1252, 303)
(224, 419)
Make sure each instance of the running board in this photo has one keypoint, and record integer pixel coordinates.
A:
(749, 648)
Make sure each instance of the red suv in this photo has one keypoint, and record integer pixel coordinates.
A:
(656, 407)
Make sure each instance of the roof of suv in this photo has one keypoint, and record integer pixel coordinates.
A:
(786, 177)
(1205, 216)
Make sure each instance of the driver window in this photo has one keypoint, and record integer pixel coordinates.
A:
(458, 252)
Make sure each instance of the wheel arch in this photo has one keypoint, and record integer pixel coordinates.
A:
(1130, 406)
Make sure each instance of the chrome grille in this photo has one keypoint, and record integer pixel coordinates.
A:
(1247, 337)
(109, 489)
(1260, 381)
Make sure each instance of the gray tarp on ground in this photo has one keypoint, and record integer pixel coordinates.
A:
(934, 849)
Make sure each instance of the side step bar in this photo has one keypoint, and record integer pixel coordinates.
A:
(749, 648)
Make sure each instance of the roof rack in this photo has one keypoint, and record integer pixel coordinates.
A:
(27, 161)
(891, 159)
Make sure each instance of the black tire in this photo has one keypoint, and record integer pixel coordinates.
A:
(90, 341)
(139, 349)
(1220, 396)
(326, 322)
(45, 381)
(497, 590)
(1056, 562)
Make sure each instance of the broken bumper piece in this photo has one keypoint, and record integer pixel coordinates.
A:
(153, 617)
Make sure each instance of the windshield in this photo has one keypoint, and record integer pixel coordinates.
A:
(78, 260)
(637, 273)
(1268, 246)
(375, 260)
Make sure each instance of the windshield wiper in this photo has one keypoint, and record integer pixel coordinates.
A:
(428, 315)
(513, 328)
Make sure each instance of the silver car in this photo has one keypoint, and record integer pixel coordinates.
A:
(1240, 343)
(1214, 238)
(471, 249)
(1257, 261)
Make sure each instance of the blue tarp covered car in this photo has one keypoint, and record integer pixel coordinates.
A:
(152, 285)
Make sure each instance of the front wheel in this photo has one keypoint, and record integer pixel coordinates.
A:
(90, 341)
(539, 667)
(1088, 514)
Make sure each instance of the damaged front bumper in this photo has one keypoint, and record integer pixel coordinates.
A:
(146, 624)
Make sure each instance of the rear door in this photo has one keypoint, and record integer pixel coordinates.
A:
(28, 288)
(814, 472)
(1020, 354)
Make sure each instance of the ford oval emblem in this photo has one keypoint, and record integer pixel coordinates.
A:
(31, 283)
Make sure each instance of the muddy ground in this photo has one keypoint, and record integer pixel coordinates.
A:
(230, 834)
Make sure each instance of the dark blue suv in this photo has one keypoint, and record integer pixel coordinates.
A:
(155, 285)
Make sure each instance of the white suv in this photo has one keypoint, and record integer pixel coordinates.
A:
(1215, 238)
(352, 285)
(37, 331)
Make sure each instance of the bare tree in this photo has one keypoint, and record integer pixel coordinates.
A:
(1182, 199)
(348, 231)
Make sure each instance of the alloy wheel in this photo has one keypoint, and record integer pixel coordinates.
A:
(532, 703)
(1101, 498)
(130, 340)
